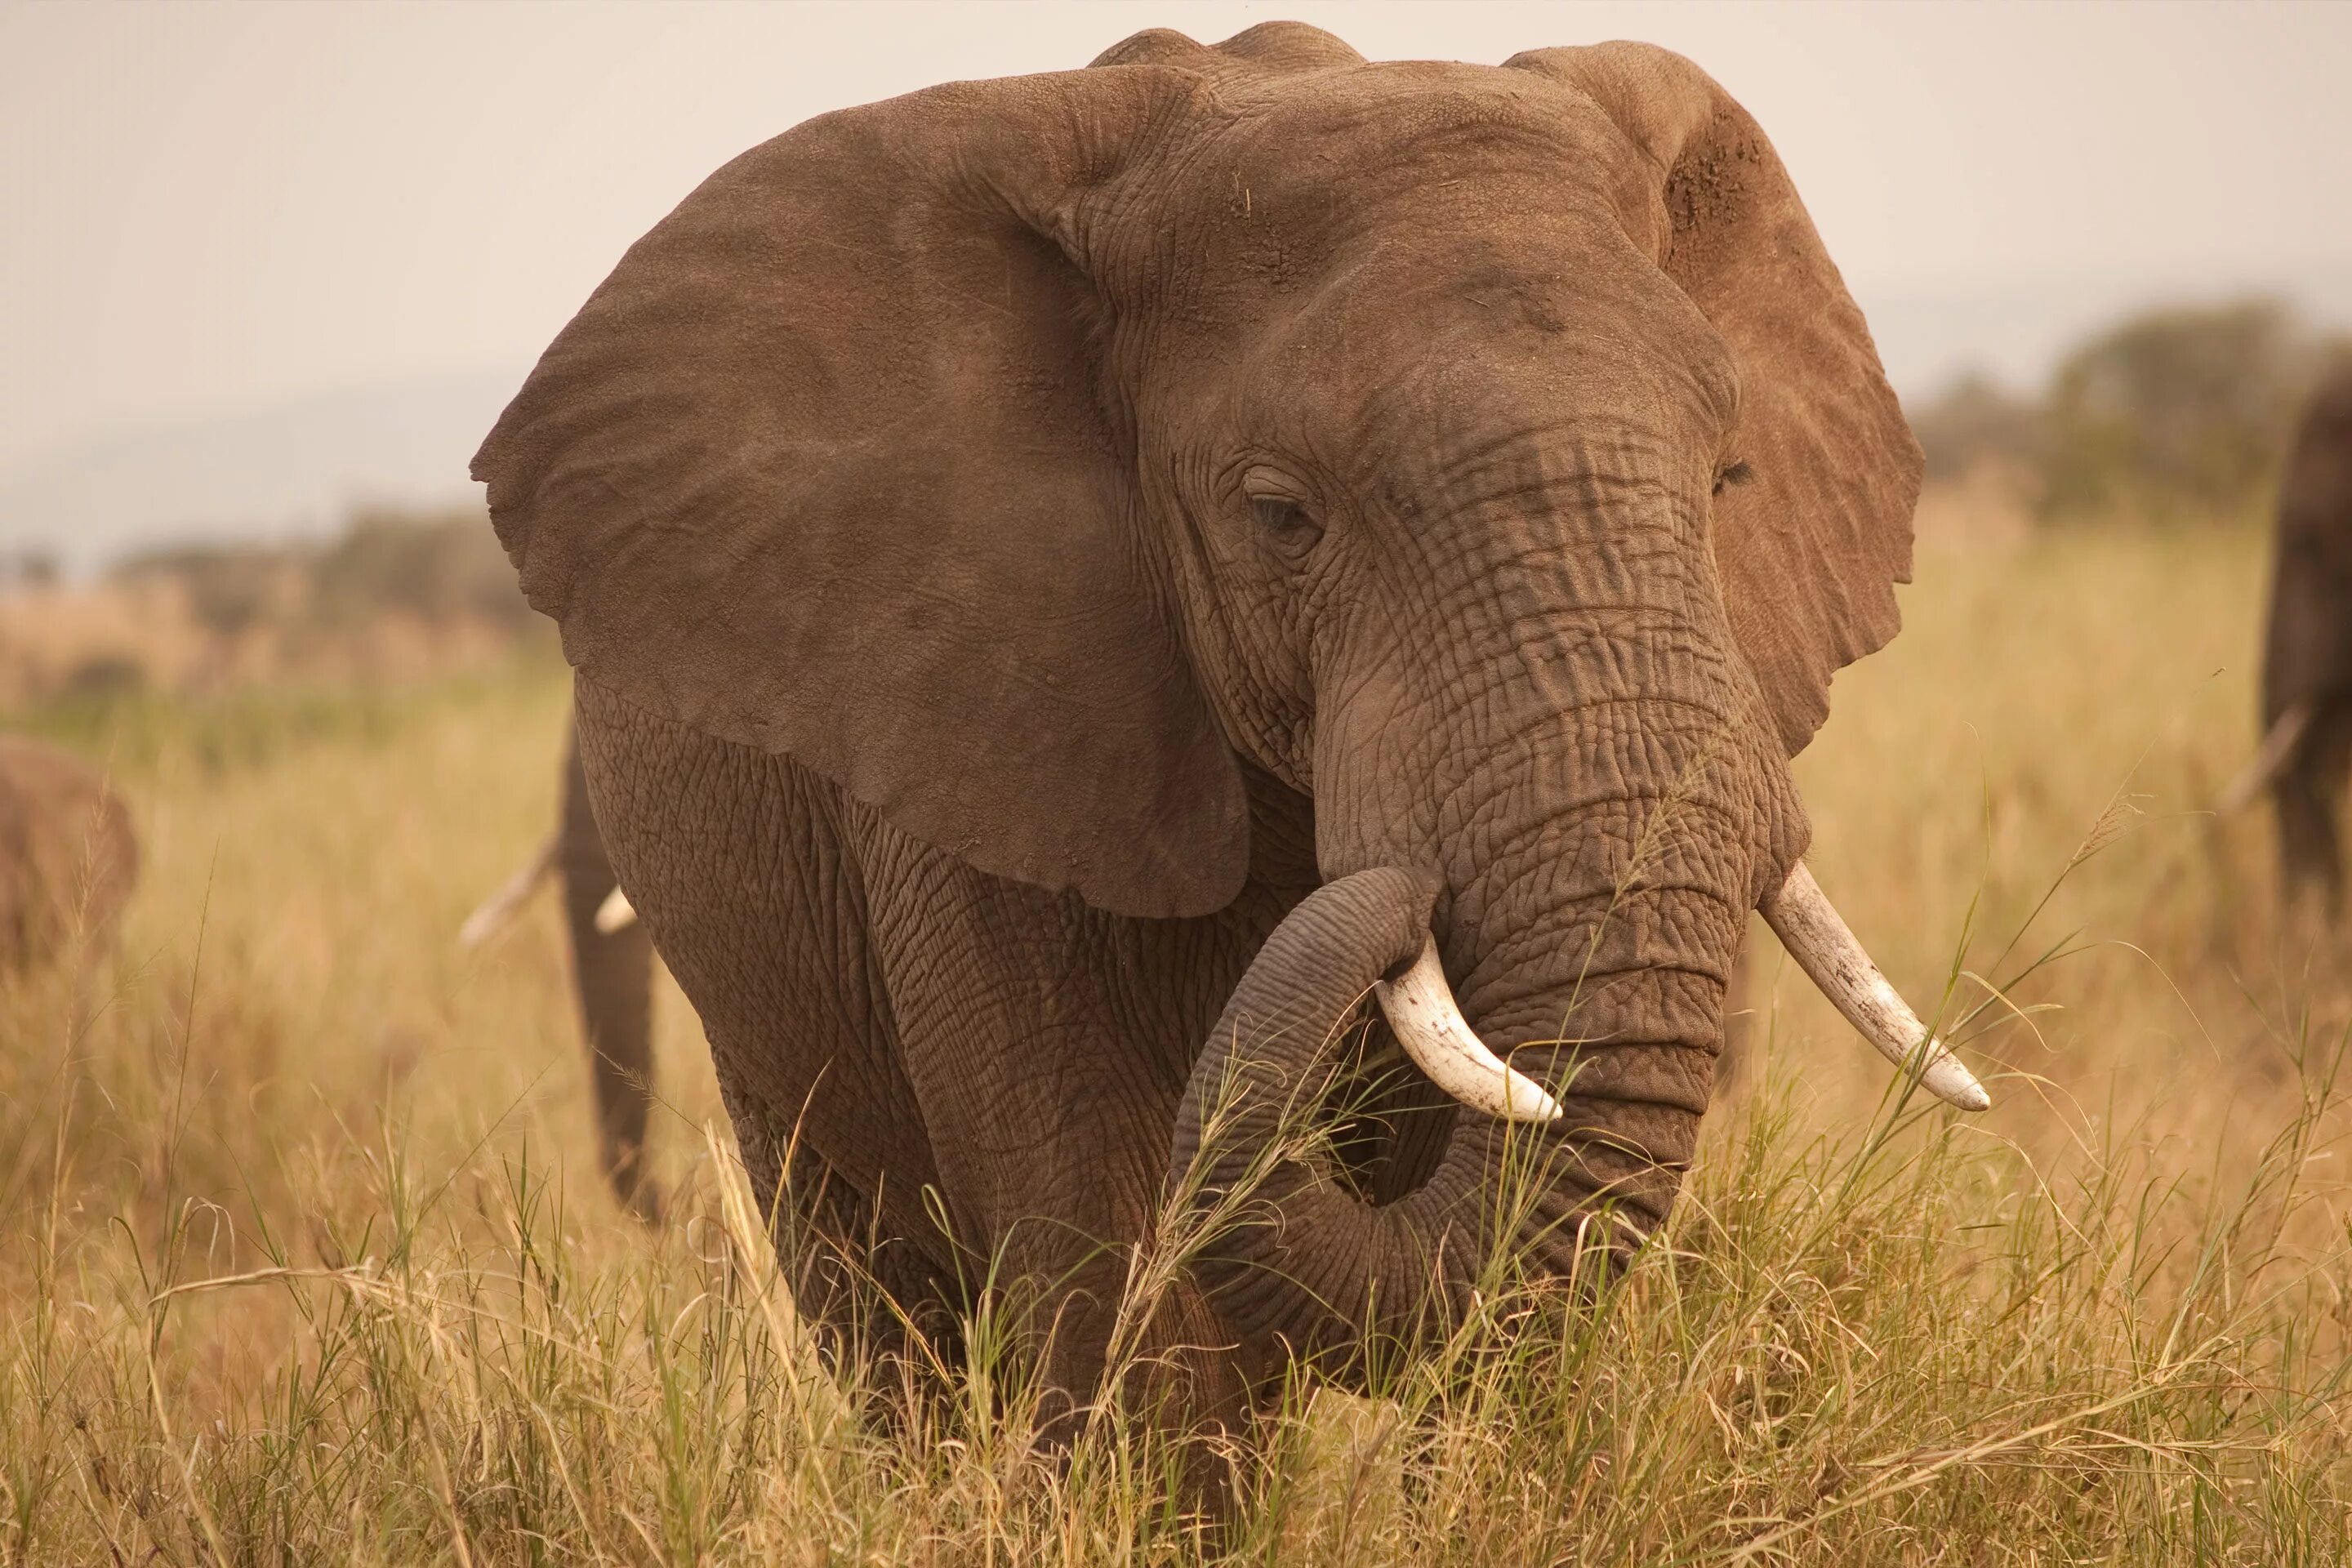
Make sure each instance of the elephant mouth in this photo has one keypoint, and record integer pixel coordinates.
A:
(1428, 1023)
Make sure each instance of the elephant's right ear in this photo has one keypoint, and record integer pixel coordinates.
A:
(826, 467)
(1813, 546)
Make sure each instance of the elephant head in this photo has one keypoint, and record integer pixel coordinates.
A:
(1492, 456)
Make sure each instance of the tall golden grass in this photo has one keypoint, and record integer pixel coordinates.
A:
(304, 1256)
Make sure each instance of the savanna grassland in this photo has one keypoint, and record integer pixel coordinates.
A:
(303, 1257)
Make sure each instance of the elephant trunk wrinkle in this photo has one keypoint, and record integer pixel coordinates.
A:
(1606, 808)
(1609, 1015)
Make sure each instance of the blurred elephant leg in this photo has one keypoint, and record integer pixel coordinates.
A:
(615, 973)
(2310, 797)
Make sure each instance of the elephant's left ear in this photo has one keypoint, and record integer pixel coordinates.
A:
(1811, 545)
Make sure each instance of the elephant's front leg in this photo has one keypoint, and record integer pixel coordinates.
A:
(1048, 1048)
(740, 868)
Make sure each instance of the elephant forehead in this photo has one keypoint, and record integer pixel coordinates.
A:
(1417, 343)
(1312, 217)
(1312, 151)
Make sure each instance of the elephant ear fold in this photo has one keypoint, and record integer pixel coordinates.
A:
(1810, 546)
(826, 468)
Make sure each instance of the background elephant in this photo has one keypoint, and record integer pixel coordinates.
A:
(1074, 580)
(612, 969)
(2306, 710)
(68, 859)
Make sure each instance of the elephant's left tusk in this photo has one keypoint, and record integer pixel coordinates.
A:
(1817, 937)
(616, 912)
(1429, 1024)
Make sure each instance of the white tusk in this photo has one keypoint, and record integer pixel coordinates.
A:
(1429, 1024)
(2270, 759)
(498, 909)
(1808, 926)
(616, 913)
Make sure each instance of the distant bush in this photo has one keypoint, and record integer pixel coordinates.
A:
(2181, 413)
(32, 567)
(1976, 425)
(439, 569)
(395, 596)
(230, 588)
(104, 678)
(2176, 413)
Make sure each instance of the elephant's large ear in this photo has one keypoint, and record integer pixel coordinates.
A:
(1811, 546)
(826, 467)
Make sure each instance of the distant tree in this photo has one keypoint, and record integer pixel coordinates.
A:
(1975, 425)
(230, 588)
(2179, 413)
(35, 566)
(437, 566)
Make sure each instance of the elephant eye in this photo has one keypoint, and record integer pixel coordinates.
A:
(1733, 474)
(1286, 522)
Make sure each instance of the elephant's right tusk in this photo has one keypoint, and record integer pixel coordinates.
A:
(2270, 759)
(616, 913)
(1428, 1023)
(1809, 927)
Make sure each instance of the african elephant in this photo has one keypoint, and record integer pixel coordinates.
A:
(612, 972)
(2307, 745)
(1074, 580)
(68, 859)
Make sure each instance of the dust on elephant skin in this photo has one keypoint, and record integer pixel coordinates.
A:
(1074, 579)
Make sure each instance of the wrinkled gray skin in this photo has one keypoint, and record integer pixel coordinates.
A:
(1071, 578)
(2308, 654)
(613, 975)
(68, 859)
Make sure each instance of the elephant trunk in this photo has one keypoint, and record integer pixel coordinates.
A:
(1301, 1258)
(1590, 946)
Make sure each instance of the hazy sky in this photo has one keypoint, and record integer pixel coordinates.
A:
(203, 207)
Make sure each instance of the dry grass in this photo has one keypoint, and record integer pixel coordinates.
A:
(304, 1257)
